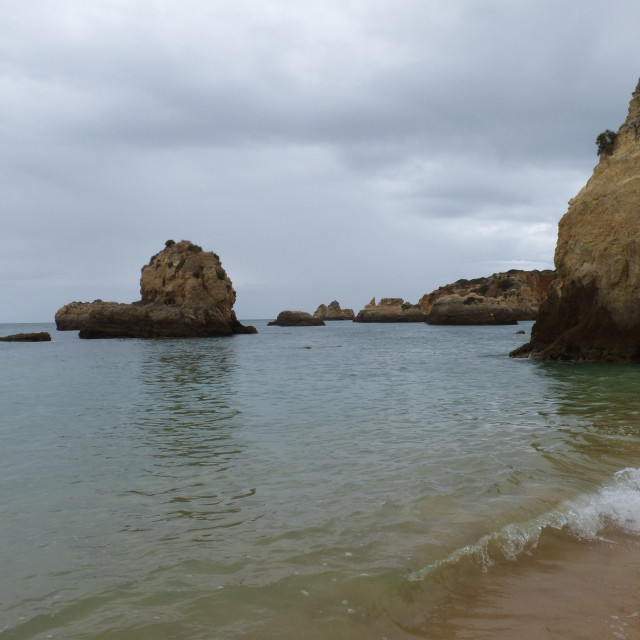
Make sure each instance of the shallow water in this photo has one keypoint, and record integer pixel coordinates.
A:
(348, 481)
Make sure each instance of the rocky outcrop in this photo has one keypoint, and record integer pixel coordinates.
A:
(296, 319)
(592, 311)
(185, 293)
(521, 291)
(333, 311)
(470, 309)
(391, 310)
(41, 336)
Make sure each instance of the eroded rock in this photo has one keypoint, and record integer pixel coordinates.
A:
(296, 319)
(470, 310)
(185, 293)
(391, 310)
(592, 311)
(333, 311)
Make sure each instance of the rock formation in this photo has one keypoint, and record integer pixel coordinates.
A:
(296, 319)
(470, 309)
(592, 311)
(391, 310)
(333, 312)
(41, 336)
(185, 292)
(521, 291)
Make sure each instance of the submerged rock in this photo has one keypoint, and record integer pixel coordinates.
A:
(391, 310)
(333, 311)
(471, 309)
(296, 319)
(41, 336)
(185, 293)
(592, 312)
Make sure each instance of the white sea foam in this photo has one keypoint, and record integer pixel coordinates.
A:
(613, 507)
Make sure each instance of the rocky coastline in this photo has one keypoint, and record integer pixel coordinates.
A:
(471, 309)
(520, 291)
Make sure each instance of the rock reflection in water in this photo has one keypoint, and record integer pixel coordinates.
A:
(190, 425)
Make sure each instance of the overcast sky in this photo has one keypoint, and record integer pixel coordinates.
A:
(333, 149)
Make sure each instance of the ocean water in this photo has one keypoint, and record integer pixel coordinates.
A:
(353, 481)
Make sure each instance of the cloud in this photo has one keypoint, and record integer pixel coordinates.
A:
(323, 149)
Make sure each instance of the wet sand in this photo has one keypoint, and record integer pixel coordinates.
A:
(566, 589)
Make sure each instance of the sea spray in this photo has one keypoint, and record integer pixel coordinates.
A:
(586, 517)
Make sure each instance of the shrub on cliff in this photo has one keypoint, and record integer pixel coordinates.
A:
(605, 142)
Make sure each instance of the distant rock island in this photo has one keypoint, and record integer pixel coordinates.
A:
(333, 311)
(520, 291)
(592, 311)
(40, 336)
(391, 310)
(296, 319)
(185, 293)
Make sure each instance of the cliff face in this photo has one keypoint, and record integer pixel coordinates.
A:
(185, 292)
(520, 291)
(592, 310)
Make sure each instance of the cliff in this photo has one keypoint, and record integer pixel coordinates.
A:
(521, 291)
(333, 311)
(391, 310)
(592, 311)
(185, 292)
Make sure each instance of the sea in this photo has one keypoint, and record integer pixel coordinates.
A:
(347, 482)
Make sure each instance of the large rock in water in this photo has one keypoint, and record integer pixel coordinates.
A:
(185, 292)
(41, 336)
(391, 310)
(592, 311)
(333, 311)
(471, 309)
(296, 319)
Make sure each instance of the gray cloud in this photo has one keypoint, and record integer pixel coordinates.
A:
(324, 150)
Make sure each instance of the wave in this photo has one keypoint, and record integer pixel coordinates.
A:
(591, 516)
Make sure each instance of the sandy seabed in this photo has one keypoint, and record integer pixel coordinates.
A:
(575, 590)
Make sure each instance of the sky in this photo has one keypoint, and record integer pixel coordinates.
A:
(334, 149)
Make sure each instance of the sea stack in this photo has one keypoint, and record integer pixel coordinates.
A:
(591, 312)
(185, 293)
(333, 311)
(296, 319)
(391, 310)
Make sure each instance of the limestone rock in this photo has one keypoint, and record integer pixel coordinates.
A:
(592, 311)
(41, 336)
(521, 291)
(296, 319)
(333, 311)
(470, 309)
(185, 293)
(391, 310)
